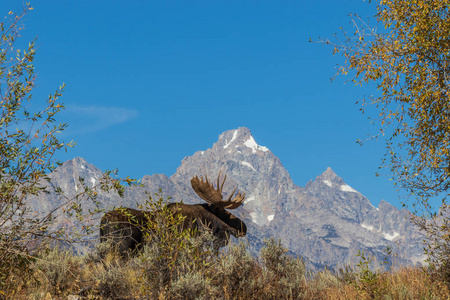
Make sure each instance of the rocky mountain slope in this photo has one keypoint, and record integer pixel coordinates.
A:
(326, 221)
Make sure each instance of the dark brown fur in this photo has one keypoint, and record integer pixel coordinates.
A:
(124, 227)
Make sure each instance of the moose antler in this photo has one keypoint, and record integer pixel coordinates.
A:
(206, 191)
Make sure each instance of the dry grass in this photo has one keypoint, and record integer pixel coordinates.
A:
(402, 283)
(234, 274)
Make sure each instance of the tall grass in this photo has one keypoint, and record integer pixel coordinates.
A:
(233, 274)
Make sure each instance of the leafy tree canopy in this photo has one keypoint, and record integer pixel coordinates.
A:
(29, 139)
(409, 61)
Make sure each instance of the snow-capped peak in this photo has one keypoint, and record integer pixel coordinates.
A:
(238, 139)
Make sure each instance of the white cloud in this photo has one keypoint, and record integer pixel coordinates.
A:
(84, 119)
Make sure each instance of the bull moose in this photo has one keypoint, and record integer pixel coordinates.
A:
(125, 228)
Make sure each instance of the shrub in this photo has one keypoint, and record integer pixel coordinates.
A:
(171, 253)
(237, 273)
(113, 279)
(29, 139)
(61, 270)
(287, 275)
(192, 285)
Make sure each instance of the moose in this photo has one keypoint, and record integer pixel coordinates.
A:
(125, 228)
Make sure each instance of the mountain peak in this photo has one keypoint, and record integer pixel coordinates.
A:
(326, 221)
(330, 175)
(332, 180)
(329, 172)
(239, 138)
(79, 160)
(78, 164)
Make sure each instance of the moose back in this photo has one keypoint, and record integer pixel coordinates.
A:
(125, 228)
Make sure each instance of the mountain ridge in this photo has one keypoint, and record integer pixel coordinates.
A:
(326, 221)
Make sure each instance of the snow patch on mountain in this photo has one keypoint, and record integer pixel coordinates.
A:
(251, 143)
(347, 188)
(327, 182)
(386, 235)
(373, 206)
(232, 139)
(249, 199)
(389, 236)
(247, 165)
(254, 217)
(259, 218)
(368, 227)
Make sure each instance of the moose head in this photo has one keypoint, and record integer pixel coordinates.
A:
(125, 228)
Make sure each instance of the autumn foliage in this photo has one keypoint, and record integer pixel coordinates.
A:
(407, 58)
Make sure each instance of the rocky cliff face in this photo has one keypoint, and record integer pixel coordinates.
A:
(326, 221)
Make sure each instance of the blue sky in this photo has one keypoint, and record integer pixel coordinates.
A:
(150, 82)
